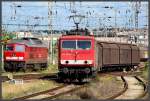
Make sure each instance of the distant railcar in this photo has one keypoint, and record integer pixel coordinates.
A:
(25, 52)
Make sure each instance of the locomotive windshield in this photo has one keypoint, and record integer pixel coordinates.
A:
(76, 44)
(83, 44)
(19, 48)
(69, 44)
(9, 47)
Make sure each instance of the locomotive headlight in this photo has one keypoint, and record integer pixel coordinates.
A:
(65, 70)
(86, 62)
(67, 62)
(87, 70)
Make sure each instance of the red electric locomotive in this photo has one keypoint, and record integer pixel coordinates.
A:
(76, 55)
(25, 52)
(81, 56)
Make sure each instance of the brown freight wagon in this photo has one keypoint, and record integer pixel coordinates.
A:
(116, 55)
(125, 54)
(135, 55)
(143, 54)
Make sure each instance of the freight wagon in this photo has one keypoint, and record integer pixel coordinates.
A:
(117, 55)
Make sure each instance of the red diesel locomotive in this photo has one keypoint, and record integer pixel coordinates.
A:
(25, 52)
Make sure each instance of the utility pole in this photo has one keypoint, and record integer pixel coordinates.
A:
(50, 30)
(116, 27)
(1, 56)
(1, 52)
(115, 19)
(137, 7)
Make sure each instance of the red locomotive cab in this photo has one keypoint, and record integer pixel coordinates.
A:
(76, 57)
(14, 52)
(77, 51)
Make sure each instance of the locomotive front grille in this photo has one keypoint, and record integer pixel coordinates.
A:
(75, 70)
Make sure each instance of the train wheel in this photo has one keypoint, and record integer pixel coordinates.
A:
(60, 77)
(37, 67)
(17, 69)
(6, 69)
(94, 74)
(128, 68)
(80, 80)
(6, 65)
(24, 68)
(44, 66)
(10, 68)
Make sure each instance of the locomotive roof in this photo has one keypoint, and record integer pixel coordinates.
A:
(76, 37)
(28, 41)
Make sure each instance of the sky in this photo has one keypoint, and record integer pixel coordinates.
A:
(96, 16)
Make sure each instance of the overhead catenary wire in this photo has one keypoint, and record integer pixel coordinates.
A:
(74, 7)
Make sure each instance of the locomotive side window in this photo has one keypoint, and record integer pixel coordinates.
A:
(83, 44)
(9, 47)
(19, 48)
(69, 44)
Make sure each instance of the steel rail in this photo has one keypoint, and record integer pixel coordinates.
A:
(29, 76)
(126, 87)
(121, 92)
(39, 93)
(66, 92)
(145, 87)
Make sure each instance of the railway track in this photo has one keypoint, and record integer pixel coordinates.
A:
(129, 73)
(120, 73)
(53, 93)
(68, 88)
(134, 88)
(54, 75)
(30, 76)
(40, 93)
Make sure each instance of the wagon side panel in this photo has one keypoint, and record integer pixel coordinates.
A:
(106, 54)
(135, 55)
(114, 55)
